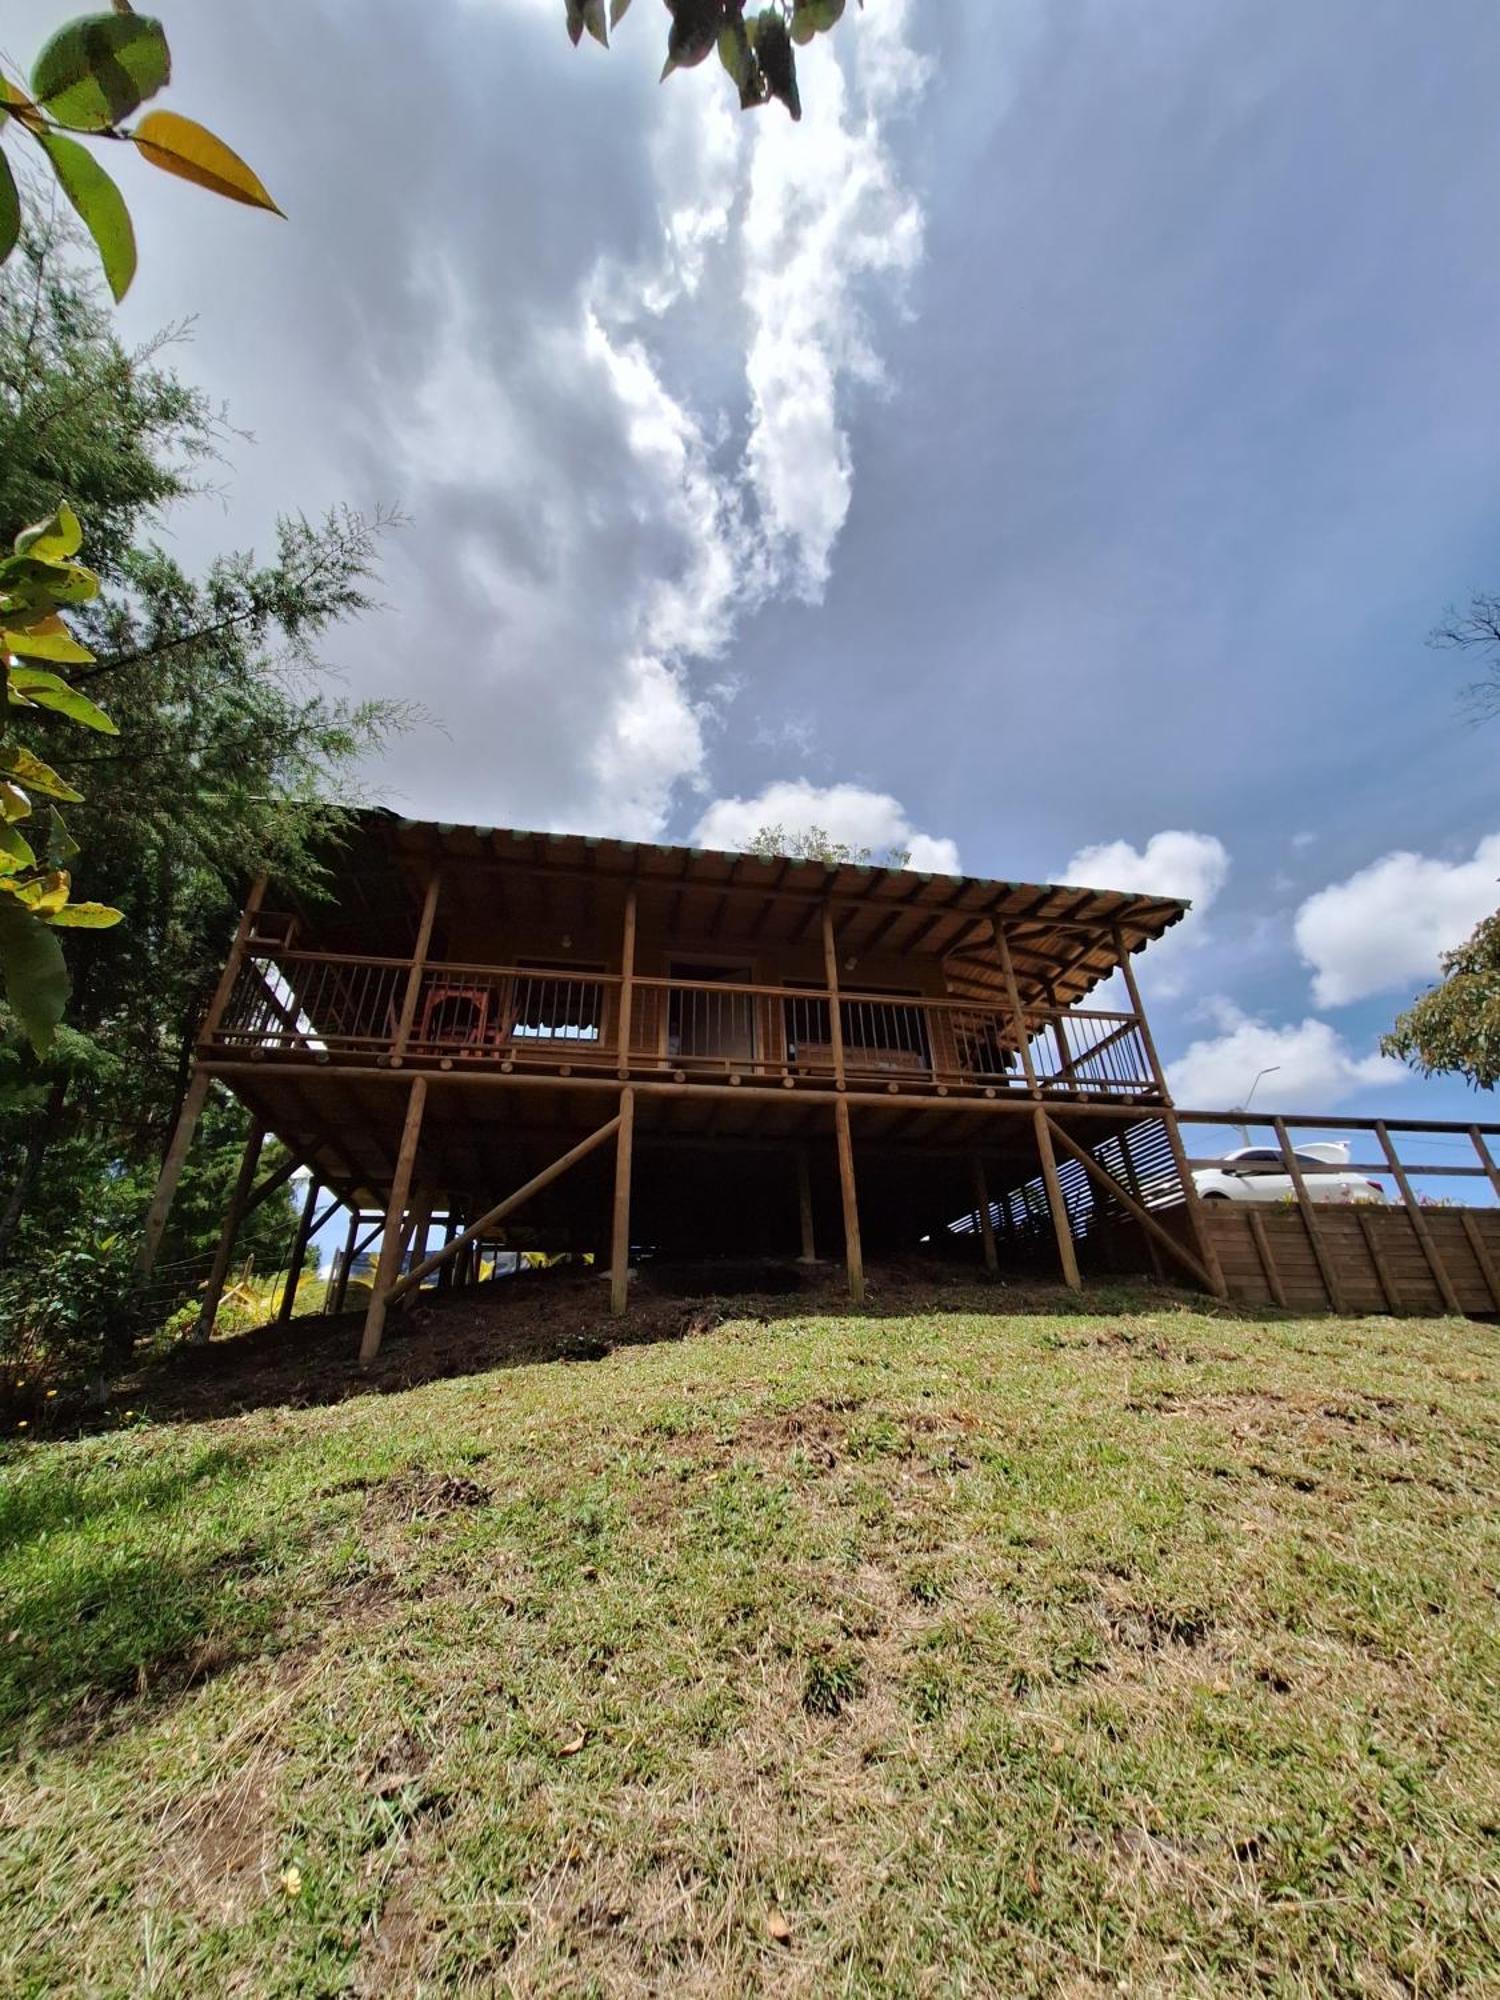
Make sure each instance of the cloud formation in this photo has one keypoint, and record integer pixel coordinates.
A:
(1191, 865)
(1314, 1066)
(1384, 928)
(848, 812)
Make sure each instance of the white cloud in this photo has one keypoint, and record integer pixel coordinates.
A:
(1191, 865)
(847, 812)
(1383, 929)
(825, 213)
(1315, 1067)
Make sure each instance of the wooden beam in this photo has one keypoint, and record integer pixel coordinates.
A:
(270, 1185)
(234, 961)
(835, 1008)
(1481, 1252)
(619, 1235)
(627, 981)
(339, 1290)
(986, 1220)
(1017, 1011)
(299, 1251)
(1370, 1230)
(421, 1224)
(805, 1207)
(1424, 1235)
(388, 1266)
(1062, 1227)
(418, 963)
(459, 1243)
(1100, 1173)
(213, 1291)
(1270, 1270)
(171, 1170)
(854, 1255)
(1486, 1158)
(1326, 1266)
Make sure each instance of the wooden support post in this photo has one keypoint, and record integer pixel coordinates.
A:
(1061, 1226)
(418, 963)
(1424, 1235)
(1208, 1254)
(1017, 1013)
(1102, 1176)
(299, 1251)
(339, 1290)
(387, 1269)
(1370, 1230)
(835, 1006)
(421, 1223)
(627, 982)
(1326, 1267)
(171, 1171)
(805, 1207)
(619, 1238)
(1486, 1158)
(213, 1291)
(986, 1220)
(235, 960)
(854, 1255)
(1270, 1270)
(1481, 1254)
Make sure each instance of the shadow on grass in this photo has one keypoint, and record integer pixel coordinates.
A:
(561, 1317)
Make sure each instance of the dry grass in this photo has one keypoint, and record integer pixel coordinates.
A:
(960, 1654)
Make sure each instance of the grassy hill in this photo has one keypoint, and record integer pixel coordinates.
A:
(1150, 1651)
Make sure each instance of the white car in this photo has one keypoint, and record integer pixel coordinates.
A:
(1258, 1173)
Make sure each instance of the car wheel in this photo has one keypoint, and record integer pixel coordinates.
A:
(1215, 1194)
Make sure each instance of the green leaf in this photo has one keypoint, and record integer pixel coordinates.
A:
(98, 69)
(100, 204)
(86, 917)
(23, 768)
(61, 846)
(37, 587)
(54, 539)
(10, 208)
(34, 971)
(47, 690)
(593, 20)
(44, 898)
(183, 147)
(14, 803)
(617, 11)
(49, 641)
(16, 851)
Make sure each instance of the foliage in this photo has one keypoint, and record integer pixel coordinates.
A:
(1454, 1029)
(94, 73)
(758, 50)
(813, 843)
(70, 1312)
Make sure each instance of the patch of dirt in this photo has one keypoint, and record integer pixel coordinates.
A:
(415, 1494)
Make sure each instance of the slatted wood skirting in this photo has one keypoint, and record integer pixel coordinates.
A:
(1373, 1259)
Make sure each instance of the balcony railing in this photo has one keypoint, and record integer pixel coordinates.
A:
(288, 1002)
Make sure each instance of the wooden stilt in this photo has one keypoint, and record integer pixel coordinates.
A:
(619, 1244)
(219, 1271)
(627, 983)
(805, 1207)
(854, 1255)
(299, 1250)
(835, 1005)
(388, 1267)
(1063, 1229)
(986, 1220)
(171, 1171)
(421, 1224)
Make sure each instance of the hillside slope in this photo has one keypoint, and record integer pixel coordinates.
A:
(1155, 1652)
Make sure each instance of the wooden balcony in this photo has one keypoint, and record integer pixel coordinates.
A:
(321, 1008)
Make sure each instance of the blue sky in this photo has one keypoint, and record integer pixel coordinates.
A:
(1051, 454)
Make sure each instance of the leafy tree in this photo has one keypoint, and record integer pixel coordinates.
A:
(813, 843)
(1454, 1029)
(94, 73)
(757, 49)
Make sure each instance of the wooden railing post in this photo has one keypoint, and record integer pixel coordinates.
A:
(627, 981)
(388, 1266)
(1486, 1158)
(835, 1008)
(235, 960)
(1423, 1234)
(418, 964)
(1017, 1014)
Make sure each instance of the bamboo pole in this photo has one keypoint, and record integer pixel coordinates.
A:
(627, 981)
(986, 1220)
(456, 1246)
(299, 1251)
(835, 1005)
(418, 963)
(854, 1255)
(171, 1170)
(1423, 1234)
(1018, 1015)
(1061, 1225)
(619, 1241)
(213, 1291)
(389, 1263)
(805, 1207)
(421, 1224)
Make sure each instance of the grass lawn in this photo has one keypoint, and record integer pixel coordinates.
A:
(962, 1653)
